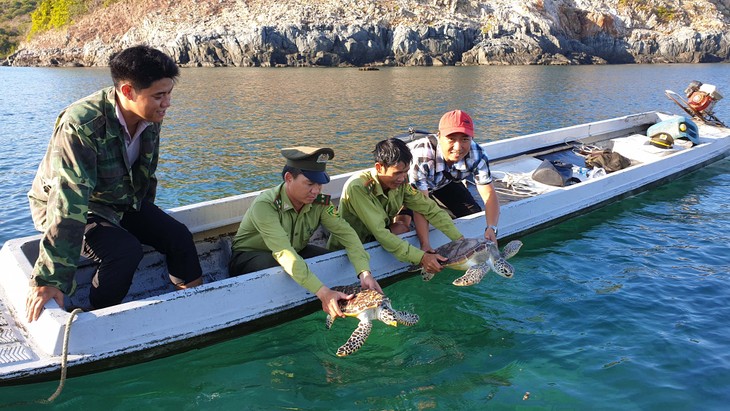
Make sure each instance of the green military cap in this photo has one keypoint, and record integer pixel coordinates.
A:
(311, 160)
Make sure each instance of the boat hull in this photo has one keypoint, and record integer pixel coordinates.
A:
(156, 320)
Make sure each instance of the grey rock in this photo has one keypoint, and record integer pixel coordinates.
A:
(403, 32)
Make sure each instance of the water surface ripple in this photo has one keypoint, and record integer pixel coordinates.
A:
(621, 309)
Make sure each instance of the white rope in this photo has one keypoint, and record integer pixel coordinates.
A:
(519, 184)
(584, 150)
(64, 357)
(64, 366)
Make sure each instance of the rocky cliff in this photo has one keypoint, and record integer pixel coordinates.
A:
(394, 32)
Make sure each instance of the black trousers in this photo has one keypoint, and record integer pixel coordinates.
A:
(457, 198)
(243, 262)
(119, 251)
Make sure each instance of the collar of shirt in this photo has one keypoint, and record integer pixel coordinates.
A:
(443, 173)
(462, 165)
(376, 188)
(422, 148)
(128, 138)
(284, 203)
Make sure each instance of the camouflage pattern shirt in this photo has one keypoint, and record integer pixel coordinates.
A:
(86, 171)
(272, 223)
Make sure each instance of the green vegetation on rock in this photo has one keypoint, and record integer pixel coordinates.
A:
(25, 18)
(52, 14)
(14, 21)
(665, 14)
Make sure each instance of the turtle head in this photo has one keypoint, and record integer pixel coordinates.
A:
(388, 316)
(503, 268)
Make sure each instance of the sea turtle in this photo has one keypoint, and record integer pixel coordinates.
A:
(367, 305)
(477, 256)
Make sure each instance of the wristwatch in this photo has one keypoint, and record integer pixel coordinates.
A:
(493, 227)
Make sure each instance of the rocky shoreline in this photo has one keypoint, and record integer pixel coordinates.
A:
(346, 33)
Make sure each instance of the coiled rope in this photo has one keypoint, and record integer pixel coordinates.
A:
(518, 184)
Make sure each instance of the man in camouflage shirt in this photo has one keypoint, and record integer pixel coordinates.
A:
(94, 190)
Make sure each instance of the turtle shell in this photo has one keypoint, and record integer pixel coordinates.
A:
(461, 250)
(363, 301)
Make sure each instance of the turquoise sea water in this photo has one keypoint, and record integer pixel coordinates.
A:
(624, 308)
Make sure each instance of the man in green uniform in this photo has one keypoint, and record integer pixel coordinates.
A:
(371, 200)
(94, 192)
(276, 229)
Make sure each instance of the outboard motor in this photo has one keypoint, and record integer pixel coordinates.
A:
(701, 100)
(702, 97)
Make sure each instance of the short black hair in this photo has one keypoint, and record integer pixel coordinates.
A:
(142, 65)
(392, 151)
(289, 169)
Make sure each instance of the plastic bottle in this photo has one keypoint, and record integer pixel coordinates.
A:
(580, 172)
(596, 172)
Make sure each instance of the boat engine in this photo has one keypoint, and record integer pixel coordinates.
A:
(700, 103)
(702, 97)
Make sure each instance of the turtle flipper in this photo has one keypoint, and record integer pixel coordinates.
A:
(472, 276)
(426, 275)
(328, 322)
(406, 318)
(413, 268)
(511, 249)
(356, 340)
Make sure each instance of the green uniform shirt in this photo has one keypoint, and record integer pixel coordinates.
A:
(86, 170)
(272, 223)
(370, 211)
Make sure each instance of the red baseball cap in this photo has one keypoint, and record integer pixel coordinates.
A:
(456, 121)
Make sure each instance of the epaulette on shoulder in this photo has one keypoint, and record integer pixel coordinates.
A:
(324, 199)
(411, 190)
(369, 185)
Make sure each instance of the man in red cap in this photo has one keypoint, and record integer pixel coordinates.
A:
(440, 168)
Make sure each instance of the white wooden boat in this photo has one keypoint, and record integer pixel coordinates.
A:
(155, 320)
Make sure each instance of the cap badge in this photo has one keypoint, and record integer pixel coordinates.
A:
(322, 158)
